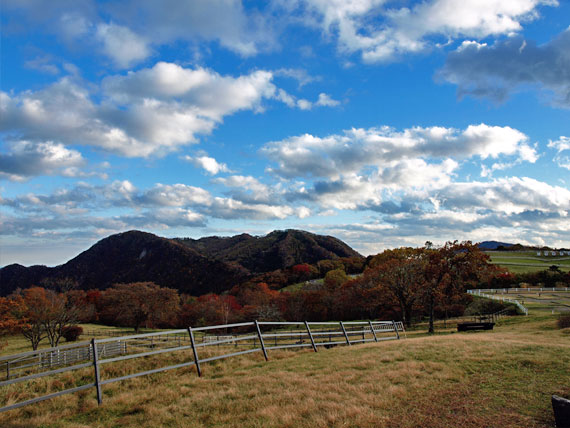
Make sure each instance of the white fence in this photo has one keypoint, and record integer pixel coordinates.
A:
(490, 294)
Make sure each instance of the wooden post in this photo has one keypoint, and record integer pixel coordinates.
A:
(97, 376)
(373, 332)
(8, 370)
(311, 336)
(261, 340)
(345, 335)
(194, 351)
(396, 329)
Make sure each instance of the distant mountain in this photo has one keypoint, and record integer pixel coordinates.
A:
(493, 245)
(195, 267)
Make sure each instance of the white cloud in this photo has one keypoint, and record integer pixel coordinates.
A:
(382, 31)
(27, 159)
(79, 23)
(511, 195)
(145, 113)
(561, 145)
(123, 46)
(175, 195)
(228, 208)
(223, 21)
(211, 165)
(307, 155)
(299, 74)
(244, 182)
(326, 100)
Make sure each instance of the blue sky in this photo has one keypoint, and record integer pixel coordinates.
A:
(384, 123)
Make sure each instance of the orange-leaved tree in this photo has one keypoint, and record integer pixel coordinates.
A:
(12, 319)
(400, 274)
(449, 270)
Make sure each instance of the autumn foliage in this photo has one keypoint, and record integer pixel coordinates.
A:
(401, 284)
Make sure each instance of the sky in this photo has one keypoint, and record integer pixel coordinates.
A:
(384, 123)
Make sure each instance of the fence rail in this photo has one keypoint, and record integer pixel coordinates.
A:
(212, 342)
(490, 294)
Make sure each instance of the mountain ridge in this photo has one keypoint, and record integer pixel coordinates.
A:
(196, 267)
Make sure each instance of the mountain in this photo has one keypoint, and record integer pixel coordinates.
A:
(277, 250)
(493, 245)
(196, 267)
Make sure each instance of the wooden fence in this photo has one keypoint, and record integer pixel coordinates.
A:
(214, 342)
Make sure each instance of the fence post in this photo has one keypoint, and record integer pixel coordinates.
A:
(8, 370)
(373, 332)
(97, 376)
(396, 330)
(345, 335)
(311, 336)
(194, 351)
(261, 340)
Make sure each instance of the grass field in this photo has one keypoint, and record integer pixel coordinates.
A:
(502, 378)
(528, 261)
(541, 302)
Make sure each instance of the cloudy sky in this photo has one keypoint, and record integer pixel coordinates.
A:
(382, 122)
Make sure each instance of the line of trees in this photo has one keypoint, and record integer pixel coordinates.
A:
(402, 284)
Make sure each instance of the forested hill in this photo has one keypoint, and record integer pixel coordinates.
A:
(278, 250)
(195, 267)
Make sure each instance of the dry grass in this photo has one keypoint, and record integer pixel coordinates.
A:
(502, 378)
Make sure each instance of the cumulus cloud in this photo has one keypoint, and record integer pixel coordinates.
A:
(223, 21)
(122, 45)
(146, 113)
(209, 164)
(308, 155)
(382, 31)
(249, 189)
(507, 195)
(27, 159)
(89, 23)
(161, 206)
(512, 65)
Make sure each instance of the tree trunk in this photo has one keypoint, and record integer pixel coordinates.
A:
(431, 307)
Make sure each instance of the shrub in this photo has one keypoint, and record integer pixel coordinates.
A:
(72, 333)
(564, 321)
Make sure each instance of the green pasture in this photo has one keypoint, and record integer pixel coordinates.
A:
(527, 261)
(541, 302)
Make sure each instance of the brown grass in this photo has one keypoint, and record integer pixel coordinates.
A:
(502, 378)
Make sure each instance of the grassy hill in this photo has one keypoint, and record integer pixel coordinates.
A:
(527, 261)
(502, 378)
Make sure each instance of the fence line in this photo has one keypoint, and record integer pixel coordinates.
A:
(485, 293)
(516, 290)
(247, 338)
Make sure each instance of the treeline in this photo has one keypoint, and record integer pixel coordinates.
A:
(552, 277)
(403, 284)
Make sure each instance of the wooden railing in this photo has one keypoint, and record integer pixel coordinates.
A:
(213, 342)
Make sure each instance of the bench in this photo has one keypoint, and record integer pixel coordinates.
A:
(466, 326)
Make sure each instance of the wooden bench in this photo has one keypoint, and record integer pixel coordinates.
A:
(466, 326)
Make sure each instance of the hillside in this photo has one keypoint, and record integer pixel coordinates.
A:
(277, 250)
(192, 266)
(502, 378)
